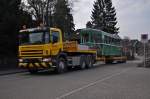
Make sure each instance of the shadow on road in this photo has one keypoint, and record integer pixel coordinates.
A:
(72, 70)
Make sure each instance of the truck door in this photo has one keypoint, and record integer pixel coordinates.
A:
(56, 42)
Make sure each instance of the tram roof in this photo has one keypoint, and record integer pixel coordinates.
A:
(89, 30)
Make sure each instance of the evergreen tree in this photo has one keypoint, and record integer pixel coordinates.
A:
(104, 16)
(63, 18)
(110, 18)
(98, 15)
(88, 24)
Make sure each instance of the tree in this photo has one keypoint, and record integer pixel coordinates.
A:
(25, 18)
(41, 10)
(104, 16)
(88, 24)
(63, 18)
(110, 18)
(9, 26)
(98, 15)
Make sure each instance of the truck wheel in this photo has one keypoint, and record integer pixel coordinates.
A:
(122, 61)
(89, 61)
(82, 62)
(33, 71)
(61, 66)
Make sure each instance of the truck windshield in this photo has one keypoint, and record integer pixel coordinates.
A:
(26, 38)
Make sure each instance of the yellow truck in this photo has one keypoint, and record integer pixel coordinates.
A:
(44, 48)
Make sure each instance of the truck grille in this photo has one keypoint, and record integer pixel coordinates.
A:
(31, 51)
(32, 60)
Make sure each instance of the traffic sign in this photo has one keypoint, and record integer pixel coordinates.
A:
(144, 38)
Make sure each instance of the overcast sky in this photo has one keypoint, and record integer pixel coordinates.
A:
(133, 16)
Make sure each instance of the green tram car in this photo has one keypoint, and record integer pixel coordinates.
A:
(109, 47)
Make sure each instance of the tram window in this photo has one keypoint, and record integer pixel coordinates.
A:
(119, 42)
(100, 38)
(105, 39)
(114, 41)
(110, 40)
(85, 38)
(93, 38)
(96, 38)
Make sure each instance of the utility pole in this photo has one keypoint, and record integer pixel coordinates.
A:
(144, 54)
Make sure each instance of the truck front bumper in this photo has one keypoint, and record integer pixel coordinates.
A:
(41, 65)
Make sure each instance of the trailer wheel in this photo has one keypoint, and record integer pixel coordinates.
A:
(108, 62)
(61, 66)
(89, 61)
(82, 62)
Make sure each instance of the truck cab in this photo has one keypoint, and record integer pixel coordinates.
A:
(37, 46)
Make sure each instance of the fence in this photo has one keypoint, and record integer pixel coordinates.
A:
(147, 56)
(147, 62)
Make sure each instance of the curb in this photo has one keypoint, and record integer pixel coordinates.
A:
(11, 72)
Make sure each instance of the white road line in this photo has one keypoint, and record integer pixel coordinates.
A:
(90, 84)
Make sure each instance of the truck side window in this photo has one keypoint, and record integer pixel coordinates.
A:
(55, 37)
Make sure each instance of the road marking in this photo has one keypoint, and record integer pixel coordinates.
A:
(90, 84)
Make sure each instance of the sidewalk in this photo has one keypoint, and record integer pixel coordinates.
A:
(11, 71)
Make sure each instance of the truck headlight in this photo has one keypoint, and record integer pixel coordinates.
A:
(46, 59)
(20, 60)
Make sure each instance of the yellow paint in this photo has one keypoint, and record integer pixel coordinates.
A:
(70, 46)
(22, 65)
(103, 58)
(50, 64)
(44, 65)
(56, 47)
(31, 65)
(37, 64)
(100, 58)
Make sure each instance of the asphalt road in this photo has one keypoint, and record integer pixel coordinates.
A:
(117, 81)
